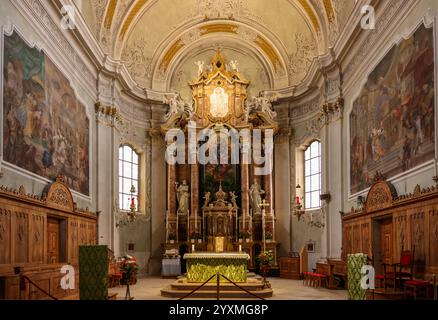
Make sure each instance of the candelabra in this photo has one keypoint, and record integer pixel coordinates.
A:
(130, 216)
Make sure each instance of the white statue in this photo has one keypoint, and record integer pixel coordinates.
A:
(234, 65)
(183, 197)
(263, 103)
(176, 105)
(200, 65)
(255, 195)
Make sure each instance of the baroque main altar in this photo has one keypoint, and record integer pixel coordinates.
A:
(224, 206)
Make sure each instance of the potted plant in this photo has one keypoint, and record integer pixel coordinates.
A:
(172, 238)
(129, 269)
(242, 236)
(265, 260)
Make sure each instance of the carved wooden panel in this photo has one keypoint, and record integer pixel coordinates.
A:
(5, 236)
(37, 238)
(356, 238)
(21, 235)
(82, 233)
(366, 238)
(417, 237)
(401, 236)
(380, 196)
(91, 233)
(433, 239)
(348, 240)
(73, 240)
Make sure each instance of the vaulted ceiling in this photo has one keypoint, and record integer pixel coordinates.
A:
(159, 41)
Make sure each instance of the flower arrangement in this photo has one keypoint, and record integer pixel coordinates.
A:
(265, 260)
(129, 268)
(172, 237)
(268, 235)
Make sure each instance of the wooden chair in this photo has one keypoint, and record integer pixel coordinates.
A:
(405, 268)
(397, 273)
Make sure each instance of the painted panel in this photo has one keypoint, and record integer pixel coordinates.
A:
(45, 127)
(392, 120)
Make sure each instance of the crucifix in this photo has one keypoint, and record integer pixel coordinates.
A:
(263, 205)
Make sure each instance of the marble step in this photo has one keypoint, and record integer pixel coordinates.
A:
(251, 286)
(212, 294)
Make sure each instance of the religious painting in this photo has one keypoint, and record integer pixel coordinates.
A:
(213, 175)
(392, 120)
(45, 127)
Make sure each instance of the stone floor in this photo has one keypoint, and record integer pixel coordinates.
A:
(284, 289)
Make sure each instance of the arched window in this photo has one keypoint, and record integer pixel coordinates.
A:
(312, 176)
(128, 177)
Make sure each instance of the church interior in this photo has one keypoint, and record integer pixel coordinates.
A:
(218, 149)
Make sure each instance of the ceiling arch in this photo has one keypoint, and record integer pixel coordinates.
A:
(289, 34)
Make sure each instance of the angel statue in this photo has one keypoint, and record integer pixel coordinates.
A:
(176, 105)
(234, 65)
(200, 65)
(183, 197)
(255, 193)
(264, 102)
(207, 199)
(233, 197)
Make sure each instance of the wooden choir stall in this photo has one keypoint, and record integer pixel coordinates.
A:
(398, 233)
(39, 235)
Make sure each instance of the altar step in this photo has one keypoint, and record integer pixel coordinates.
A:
(181, 288)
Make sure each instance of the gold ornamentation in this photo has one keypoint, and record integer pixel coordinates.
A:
(173, 50)
(219, 27)
(270, 52)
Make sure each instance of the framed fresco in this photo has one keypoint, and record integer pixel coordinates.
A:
(392, 127)
(45, 126)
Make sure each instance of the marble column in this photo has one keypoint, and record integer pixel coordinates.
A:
(194, 199)
(171, 193)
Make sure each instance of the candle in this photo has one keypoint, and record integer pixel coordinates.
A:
(240, 248)
(193, 248)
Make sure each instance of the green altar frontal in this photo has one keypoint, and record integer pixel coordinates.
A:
(201, 266)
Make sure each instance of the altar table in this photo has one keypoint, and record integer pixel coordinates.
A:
(202, 265)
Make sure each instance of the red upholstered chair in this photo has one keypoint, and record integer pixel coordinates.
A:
(416, 286)
(397, 273)
(405, 268)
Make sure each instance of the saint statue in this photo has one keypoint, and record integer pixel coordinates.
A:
(255, 193)
(262, 103)
(176, 105)
(233, 197)
(219, 103)
(183, 197)
(207, 199)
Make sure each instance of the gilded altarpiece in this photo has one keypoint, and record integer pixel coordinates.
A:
(219, 217)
